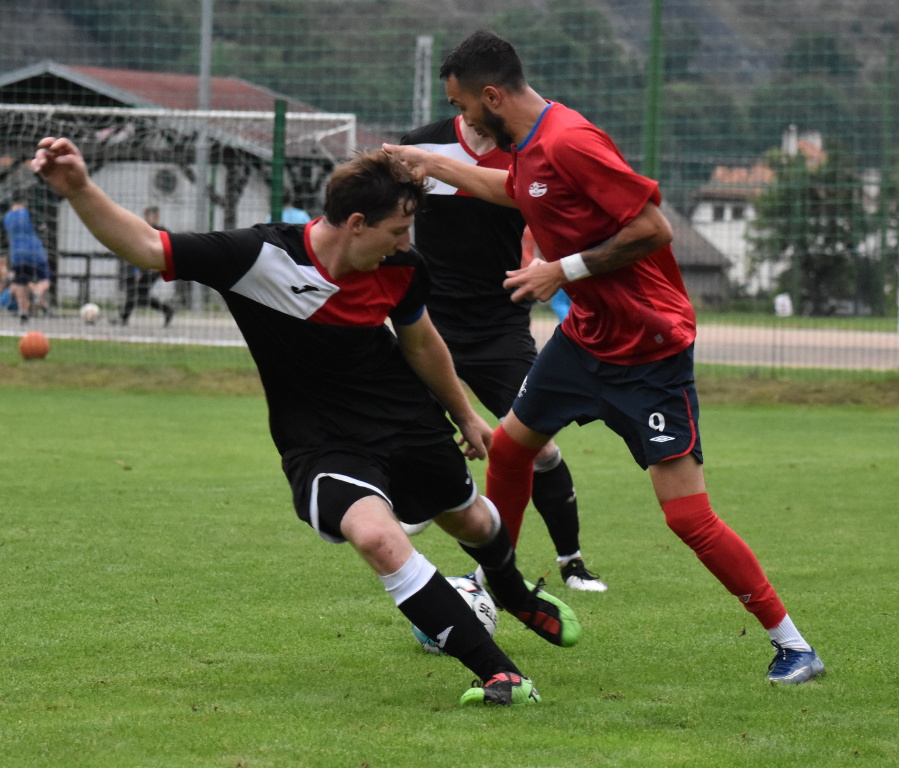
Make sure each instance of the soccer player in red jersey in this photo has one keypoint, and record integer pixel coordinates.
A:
(469, 245)
(624, 354)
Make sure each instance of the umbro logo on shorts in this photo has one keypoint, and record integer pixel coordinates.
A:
(660, 439)
(305, 289)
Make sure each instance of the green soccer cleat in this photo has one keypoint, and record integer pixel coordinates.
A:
(550, 618)
(504, 689)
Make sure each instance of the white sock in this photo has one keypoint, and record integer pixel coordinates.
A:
(415, 573)
(786, 635)
(565, 559)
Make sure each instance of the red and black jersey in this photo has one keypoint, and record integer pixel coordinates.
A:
(333, 372)
(576, 190)
(468, 243)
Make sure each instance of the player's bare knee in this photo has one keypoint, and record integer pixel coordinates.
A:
(385, 549)
(477, 524)
(375, 534)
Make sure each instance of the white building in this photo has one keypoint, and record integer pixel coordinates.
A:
(724, 208)
(722, 211)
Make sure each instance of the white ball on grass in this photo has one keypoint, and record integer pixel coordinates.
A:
(89, 313)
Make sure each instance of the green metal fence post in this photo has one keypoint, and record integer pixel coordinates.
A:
(651, 163)
(278, 141)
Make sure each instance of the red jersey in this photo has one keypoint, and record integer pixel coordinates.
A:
(576, 190)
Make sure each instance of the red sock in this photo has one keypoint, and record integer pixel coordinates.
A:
(726, 555)
(510, 475)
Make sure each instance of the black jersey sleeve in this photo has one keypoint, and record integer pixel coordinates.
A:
(411, 306)
(439, 132)
(216, 259)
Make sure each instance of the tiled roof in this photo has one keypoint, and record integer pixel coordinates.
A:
(735, 183)
(177, 91)
(138, 88)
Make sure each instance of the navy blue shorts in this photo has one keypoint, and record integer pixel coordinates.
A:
(653, 406)
(28, 273)
(417, 481)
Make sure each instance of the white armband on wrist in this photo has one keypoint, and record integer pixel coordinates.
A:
(574, 267)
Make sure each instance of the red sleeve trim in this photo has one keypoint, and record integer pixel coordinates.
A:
(168, 273)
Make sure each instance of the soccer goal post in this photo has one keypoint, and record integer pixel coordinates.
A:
(148, 158)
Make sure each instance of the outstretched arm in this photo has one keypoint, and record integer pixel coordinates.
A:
(427, 355)
(648, 231)
(126, 234)
(487, 183)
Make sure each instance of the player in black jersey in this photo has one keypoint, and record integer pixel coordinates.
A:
(356, 411)
(469, 245)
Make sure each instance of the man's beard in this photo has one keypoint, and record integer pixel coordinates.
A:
(496, 127)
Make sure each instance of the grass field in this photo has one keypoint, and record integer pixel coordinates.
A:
(163, 607)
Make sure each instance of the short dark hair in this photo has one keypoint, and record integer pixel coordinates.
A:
(484, 58)
(372, 184)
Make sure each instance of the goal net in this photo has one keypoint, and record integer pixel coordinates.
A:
(201, 170)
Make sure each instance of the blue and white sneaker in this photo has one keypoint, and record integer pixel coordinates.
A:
(792, 666)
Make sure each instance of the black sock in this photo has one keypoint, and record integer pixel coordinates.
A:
(554, 498)
(441, 613)
(497, 558)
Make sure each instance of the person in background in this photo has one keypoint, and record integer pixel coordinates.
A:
(139, 282)
(29, 270)
(624, 354)
(469, 245)
(290, 214)
(559, 302)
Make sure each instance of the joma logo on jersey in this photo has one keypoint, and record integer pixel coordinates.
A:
(537, 189)
(304, 289)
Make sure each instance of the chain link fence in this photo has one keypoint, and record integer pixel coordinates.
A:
(770, 126)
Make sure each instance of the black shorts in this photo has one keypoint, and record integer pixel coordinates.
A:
(26, 274)
(653, 406)
(418, 481)
(494, 367)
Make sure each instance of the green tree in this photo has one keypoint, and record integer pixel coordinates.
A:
(682, 40)
(810, 103)
(702, 121)
(812, 221)
(817, 53)
(153, 34)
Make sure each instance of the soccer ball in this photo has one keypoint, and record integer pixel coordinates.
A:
(34, 345)
(478, 600)
(89, 313)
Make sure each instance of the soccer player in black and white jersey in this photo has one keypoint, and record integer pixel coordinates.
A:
(356, 411)
(469, 245)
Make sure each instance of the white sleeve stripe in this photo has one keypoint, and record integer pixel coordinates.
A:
(453, 151)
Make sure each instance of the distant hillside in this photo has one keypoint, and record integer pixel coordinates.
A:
(753, 33)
